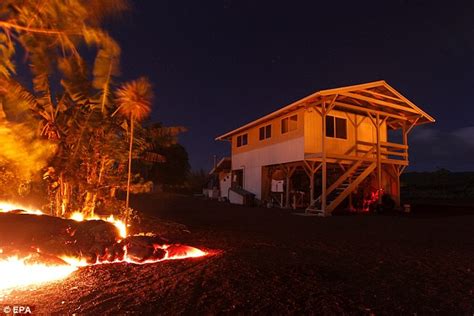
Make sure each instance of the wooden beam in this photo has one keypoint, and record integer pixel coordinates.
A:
(412, 125)
(373, 119)
(314, 107)
(395, 92)
(395, 161)
(324, 162)
(395, 145)
(289, 170)
(351, 187)
(382, 95)
(379, 162)
(365, 110)
(349, 157)
(401, 169)
(331, 104)
(380, 102)
(352, 88)
(393, 153)
(311, 171)
(396, 177)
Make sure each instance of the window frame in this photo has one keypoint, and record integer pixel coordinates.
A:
(289, 119)
(240, 140)
(334, 127)
(265, 132)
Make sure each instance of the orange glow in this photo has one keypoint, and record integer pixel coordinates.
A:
(16, 272)
(173, 252)
(6, 207)
(79, 217)
(19, 272)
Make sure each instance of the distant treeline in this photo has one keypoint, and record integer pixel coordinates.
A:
(440, 185)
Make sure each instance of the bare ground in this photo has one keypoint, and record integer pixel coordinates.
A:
(269, 261)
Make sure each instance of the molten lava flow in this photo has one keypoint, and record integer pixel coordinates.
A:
(171, 252)
(19, 272)
(36, 267)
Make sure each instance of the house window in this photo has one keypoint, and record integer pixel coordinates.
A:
(265, 132)
(242, 140)
(336, 127)
(289, 124)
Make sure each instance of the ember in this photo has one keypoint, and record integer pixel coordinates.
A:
(30, 256)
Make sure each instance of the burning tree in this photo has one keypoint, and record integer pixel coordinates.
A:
(61, 126)
(65, 125)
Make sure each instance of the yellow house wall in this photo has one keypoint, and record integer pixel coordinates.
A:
(359, 128)
(277, 137)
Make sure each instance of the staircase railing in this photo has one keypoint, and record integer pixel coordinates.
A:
(348, 173)
(351, 187)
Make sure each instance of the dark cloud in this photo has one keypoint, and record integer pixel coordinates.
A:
(432, 148)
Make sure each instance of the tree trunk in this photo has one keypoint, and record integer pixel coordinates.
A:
(127, 201)
(89, 204)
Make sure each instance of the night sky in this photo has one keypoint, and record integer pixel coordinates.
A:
(216, 65)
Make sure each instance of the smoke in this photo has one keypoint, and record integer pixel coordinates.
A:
(22, 151)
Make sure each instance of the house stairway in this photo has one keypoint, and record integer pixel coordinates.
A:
(342, 187)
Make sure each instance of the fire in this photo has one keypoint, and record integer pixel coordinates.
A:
(6, 207)
(79, 217)
(172, 252)
(19, 272)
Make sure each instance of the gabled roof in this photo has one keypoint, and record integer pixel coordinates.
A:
(375, 97)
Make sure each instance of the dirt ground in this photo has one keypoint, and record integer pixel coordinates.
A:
(269, 261)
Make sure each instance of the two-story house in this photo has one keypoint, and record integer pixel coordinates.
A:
(335, 147)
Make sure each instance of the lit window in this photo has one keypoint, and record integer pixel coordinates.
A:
(289, 124)
(336, 127)
(242, 140)
(265, 132)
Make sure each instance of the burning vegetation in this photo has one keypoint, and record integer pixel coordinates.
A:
(71, 140)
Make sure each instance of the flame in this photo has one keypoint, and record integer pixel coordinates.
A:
(79, 217)
(6, 207)
(18, 272)
(172, 252)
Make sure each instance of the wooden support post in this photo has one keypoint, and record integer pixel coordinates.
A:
(405, 139)
(397, 175)
(287, 190)
(379, 164)
(324, 162)
(351, 204)
(289, 170)
(311, 169)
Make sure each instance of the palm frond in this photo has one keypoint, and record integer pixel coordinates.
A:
(135, 98)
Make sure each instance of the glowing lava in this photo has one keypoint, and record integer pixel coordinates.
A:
(17, 271)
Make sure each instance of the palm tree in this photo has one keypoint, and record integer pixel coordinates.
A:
(134, 99)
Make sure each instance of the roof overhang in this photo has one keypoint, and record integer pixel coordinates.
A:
(225, 164)
(373, 98)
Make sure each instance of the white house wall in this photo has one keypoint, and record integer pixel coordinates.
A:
(252, 161)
